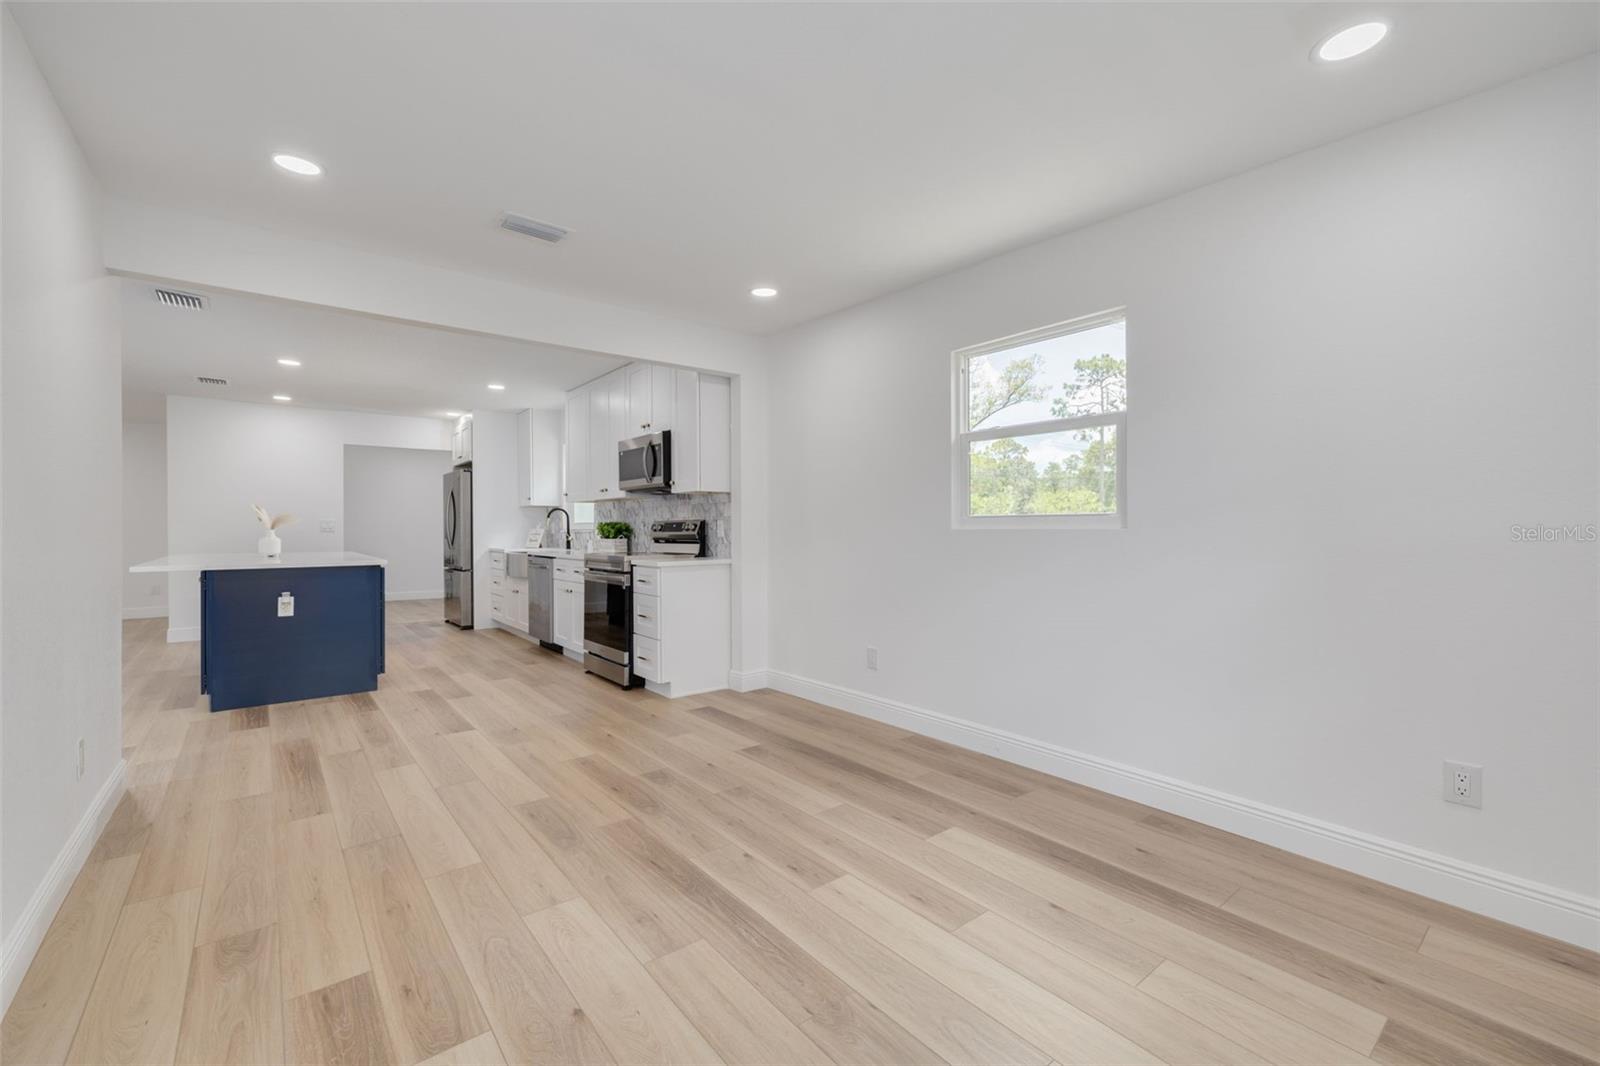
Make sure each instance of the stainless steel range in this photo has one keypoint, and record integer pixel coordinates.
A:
(608, 597)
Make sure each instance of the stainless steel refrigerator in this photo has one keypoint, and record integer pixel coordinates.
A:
(458, 547)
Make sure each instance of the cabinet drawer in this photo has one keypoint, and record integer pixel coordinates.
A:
(646, 616)
(569, 570)
(647, 658)
(646, 581)
(497, 562)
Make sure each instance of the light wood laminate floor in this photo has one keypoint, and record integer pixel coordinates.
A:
(497, 858)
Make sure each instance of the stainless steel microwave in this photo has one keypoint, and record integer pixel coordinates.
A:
(644, 464)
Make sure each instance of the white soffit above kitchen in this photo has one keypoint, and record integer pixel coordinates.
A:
(836, 151)
(347, 360)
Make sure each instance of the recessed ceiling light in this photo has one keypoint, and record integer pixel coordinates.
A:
(281, 398)
(764, 291)
(288, 362)
(296, 165)
(496, 386)
(1351, 42)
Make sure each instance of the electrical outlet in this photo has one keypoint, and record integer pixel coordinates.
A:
(327, 525)
(872, 658)
(80, 758)
(285, 605)
(1463, 784)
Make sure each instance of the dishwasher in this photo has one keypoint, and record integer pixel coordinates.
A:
(542, 601)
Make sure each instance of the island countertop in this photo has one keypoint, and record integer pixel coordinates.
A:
(177, 564)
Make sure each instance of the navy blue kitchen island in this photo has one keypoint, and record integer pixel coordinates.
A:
(305, 626)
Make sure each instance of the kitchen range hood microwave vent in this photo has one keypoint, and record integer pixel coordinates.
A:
(211, 381)
(532, 227)
(188, 301)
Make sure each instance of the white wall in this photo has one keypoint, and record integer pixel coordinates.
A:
(60, 559)
(144, 516)
(161, 243)
(222, 457)
(393, 508)
(1351, 373)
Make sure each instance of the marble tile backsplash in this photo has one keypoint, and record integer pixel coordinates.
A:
(639, 511)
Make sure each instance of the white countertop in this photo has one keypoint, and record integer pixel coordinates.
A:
(172, 564)
(547, 553)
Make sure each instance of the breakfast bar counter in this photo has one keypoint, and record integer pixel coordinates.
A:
(305, 625)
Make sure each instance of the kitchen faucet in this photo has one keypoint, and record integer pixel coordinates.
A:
(567, 524)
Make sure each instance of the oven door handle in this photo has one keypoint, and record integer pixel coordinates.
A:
(620, 580)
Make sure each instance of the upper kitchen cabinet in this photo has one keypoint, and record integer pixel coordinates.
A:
(576, 483)
(702, 432)
(608, 404)
(539, 458)
(641, 399)
(652, 398)
(461, 441)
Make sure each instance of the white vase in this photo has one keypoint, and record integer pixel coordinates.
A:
(270, 545)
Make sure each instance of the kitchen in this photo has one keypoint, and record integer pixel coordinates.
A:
(650, 605)
(556, 447)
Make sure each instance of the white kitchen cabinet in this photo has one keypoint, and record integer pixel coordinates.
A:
(508, 596)
(702, 433)
(539, 458)
(568, 610)
(683, 626)
(461, 441)
(576, 482)
(652, 398)
(602, 474)
(643, 398)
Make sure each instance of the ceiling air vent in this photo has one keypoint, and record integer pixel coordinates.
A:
(211, 381)
(188, 301)
(532, 227)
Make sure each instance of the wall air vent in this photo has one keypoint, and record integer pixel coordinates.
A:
(532, 227)
(211, 381)
(188, 301)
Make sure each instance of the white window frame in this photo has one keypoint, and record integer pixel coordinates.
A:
(963, 438)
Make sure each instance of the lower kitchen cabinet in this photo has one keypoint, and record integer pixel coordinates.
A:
(508, 596)
(568, 607)
(683, 626)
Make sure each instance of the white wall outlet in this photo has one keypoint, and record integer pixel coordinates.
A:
(285, 605)
(1463, 784)
(872, 658)
(327, 525)
(81, 758)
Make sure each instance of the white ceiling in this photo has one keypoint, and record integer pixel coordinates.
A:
(837, 151)
(347, 360)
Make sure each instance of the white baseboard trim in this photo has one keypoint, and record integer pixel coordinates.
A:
(749, 680)
(416, 594)
(158, 610)
(182, 634)
(32, 924)
(1542, 908)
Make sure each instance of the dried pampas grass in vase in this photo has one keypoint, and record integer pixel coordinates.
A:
(270, 545)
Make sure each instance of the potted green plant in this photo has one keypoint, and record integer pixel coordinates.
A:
(613, 537)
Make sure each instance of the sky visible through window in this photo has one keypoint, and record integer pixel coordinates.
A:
(1056, 380)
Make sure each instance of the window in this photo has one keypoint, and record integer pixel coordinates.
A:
(583, 516)
(1041, 428)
